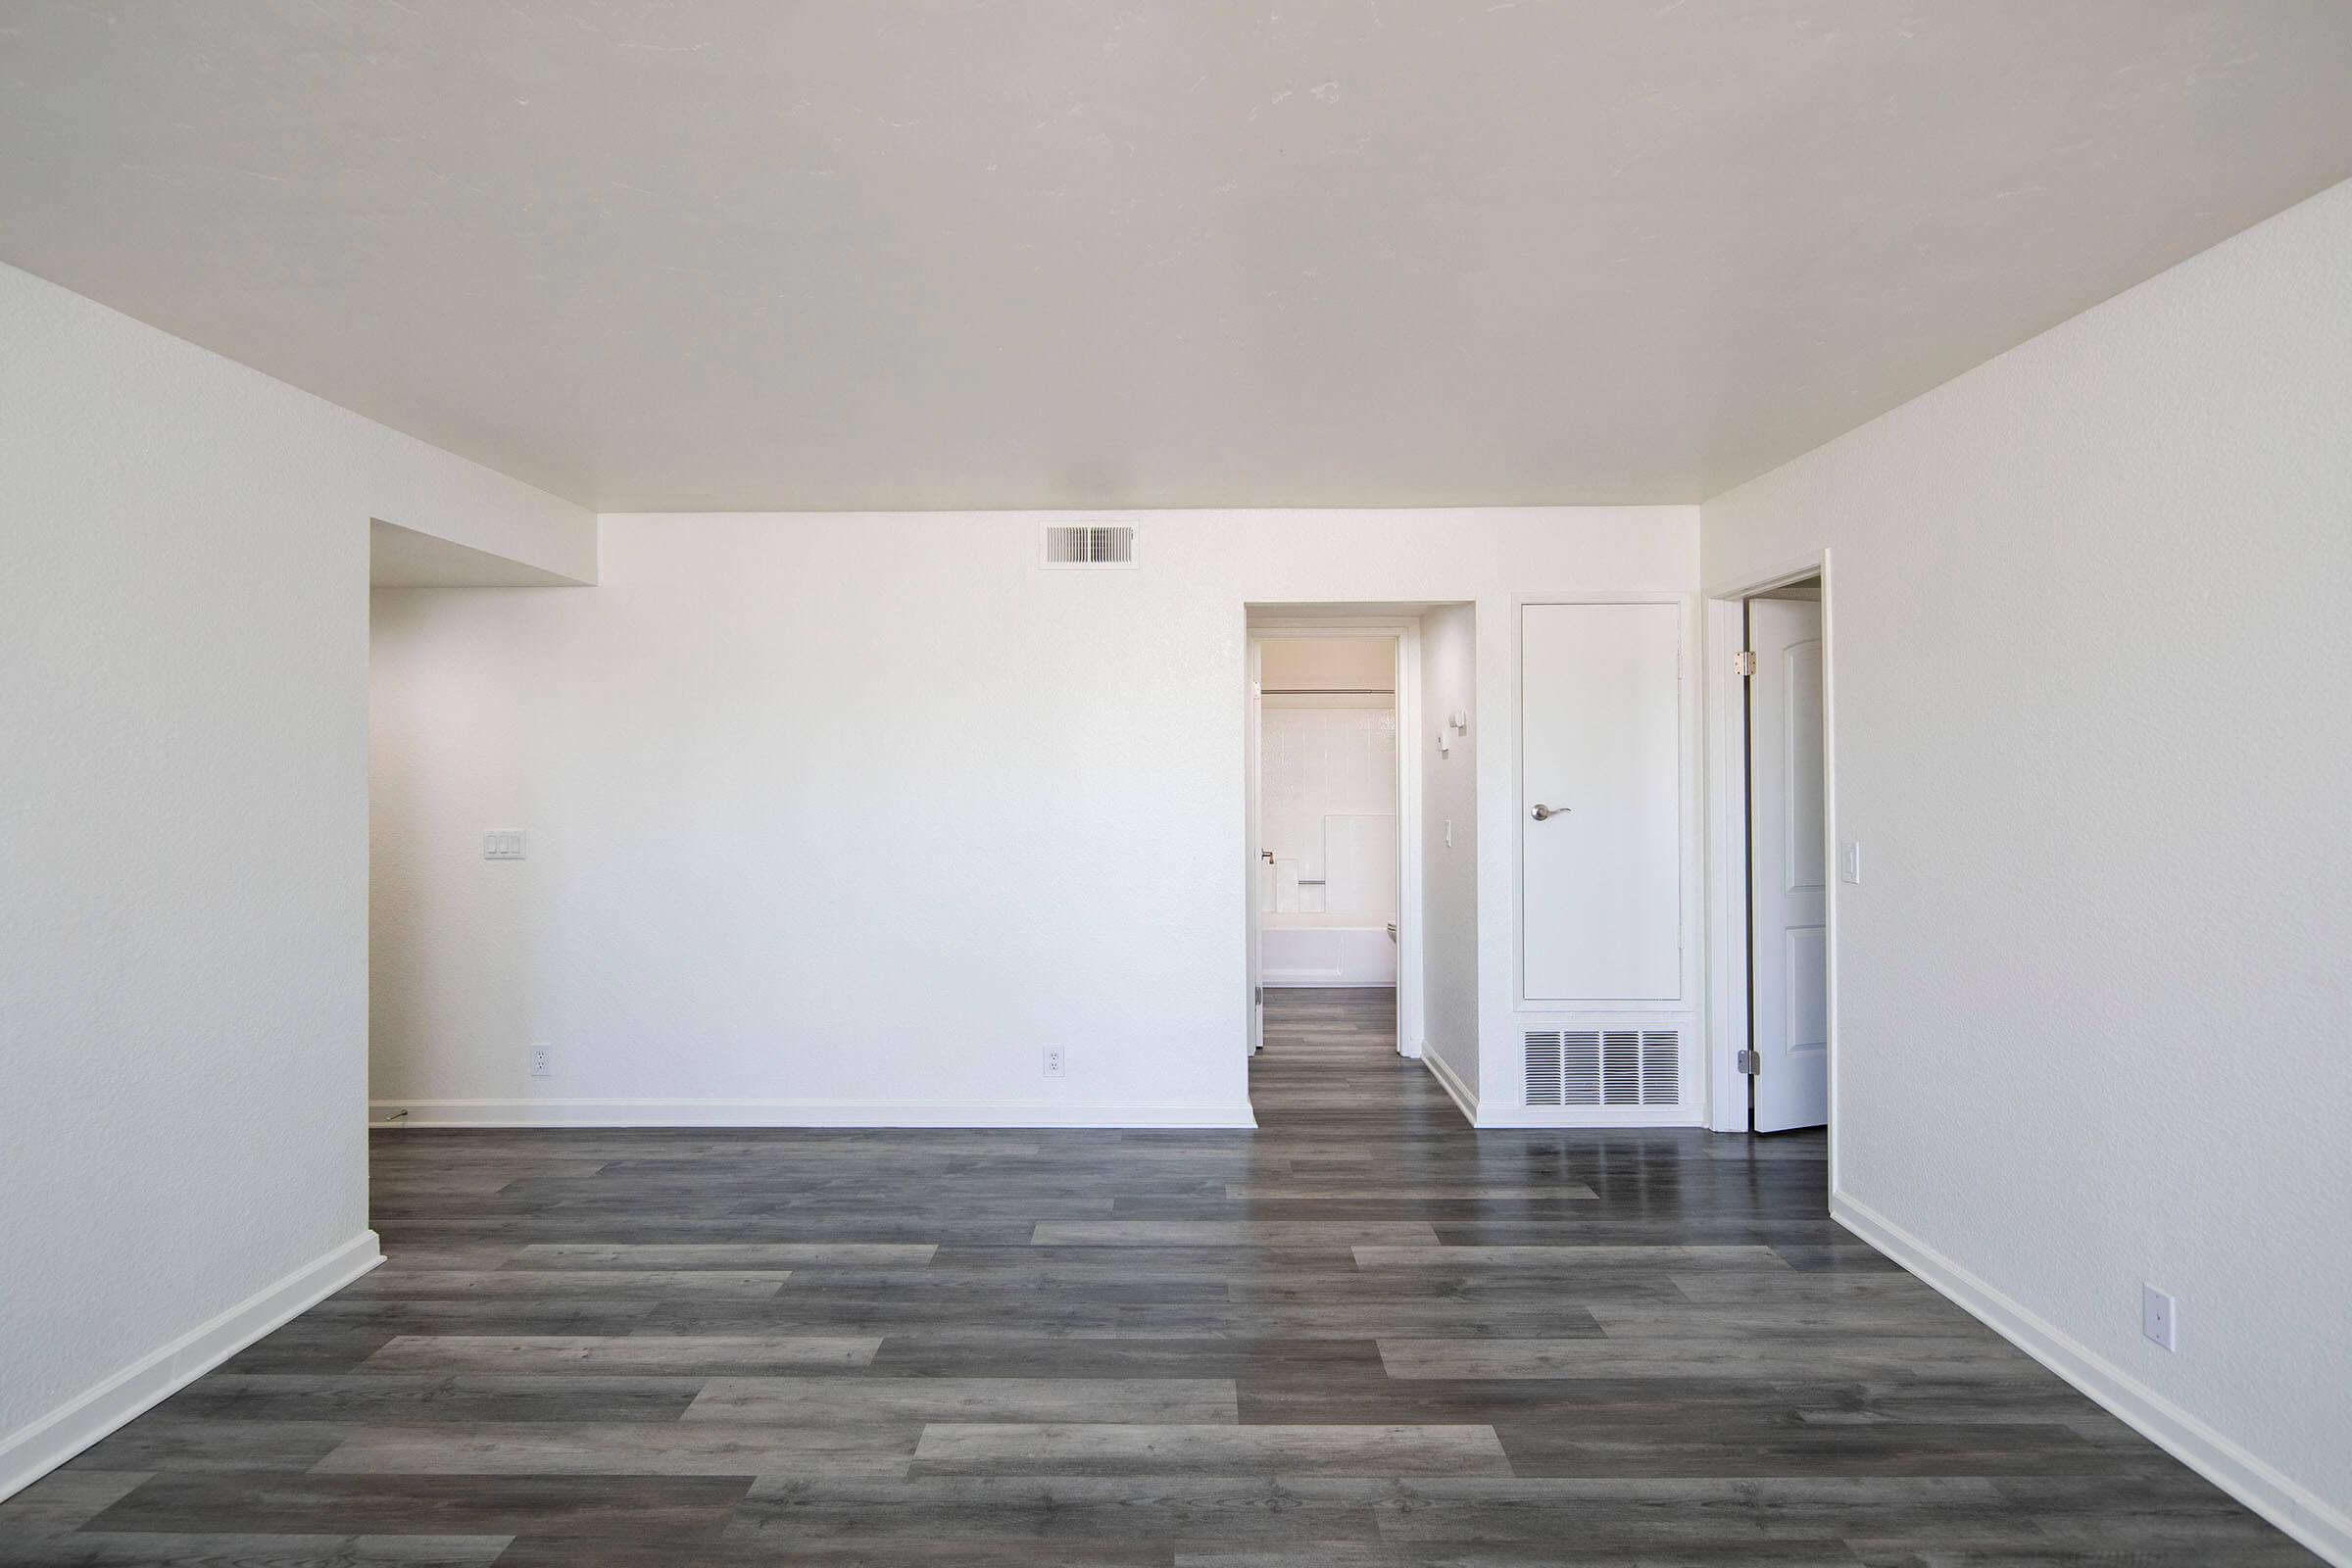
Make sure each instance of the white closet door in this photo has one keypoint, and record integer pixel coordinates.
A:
(1787, 860)
(1601, 875)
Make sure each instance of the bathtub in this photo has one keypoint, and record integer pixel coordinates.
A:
(1297, 949)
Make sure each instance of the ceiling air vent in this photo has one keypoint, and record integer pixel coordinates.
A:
(1089, 546)
(1575, 1067)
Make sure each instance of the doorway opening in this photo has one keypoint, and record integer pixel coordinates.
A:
(1333, 822)
(1772, 993)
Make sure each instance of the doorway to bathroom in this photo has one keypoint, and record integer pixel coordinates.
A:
(1329, 805)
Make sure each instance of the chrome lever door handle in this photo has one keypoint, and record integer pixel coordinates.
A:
(1544, 814)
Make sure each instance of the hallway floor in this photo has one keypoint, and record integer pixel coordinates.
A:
(1360, 1336)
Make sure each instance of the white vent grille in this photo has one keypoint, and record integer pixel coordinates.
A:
(1581, 1083)
(1067, 546)
(1542, 1069)
(1603, 1067)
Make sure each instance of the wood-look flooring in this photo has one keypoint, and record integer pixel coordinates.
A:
(1360, 1336)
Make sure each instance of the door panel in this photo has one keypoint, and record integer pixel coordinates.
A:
(1788, 867)
(1601, 877)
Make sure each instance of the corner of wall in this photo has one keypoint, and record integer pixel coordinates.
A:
(1450, 1081)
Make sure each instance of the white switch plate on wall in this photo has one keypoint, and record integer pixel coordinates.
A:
(1849, 861)
(2159, 1317)
(501, 844)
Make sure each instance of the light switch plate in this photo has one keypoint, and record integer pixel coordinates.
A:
(2159, 1317)
(501, 844)
(1849, 861)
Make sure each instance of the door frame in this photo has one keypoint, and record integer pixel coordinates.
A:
(1253, 751)
(1411, 1028)
(1727, 811)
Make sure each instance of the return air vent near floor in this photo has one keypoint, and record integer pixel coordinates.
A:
(1603, 1067)
(1067, 546)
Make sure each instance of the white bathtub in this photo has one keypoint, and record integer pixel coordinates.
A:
(1297, 949)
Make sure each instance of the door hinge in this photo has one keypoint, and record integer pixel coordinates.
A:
(1744, 663)
(1750, 1061)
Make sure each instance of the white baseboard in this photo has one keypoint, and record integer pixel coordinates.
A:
(32, 1451)
(792, 1113)
(1463, 1095)
(2291, 1506)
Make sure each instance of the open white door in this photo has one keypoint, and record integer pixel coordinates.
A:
(1788, 867)
(1254, 879)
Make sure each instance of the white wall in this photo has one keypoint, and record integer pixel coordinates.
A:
(1329, 663)
(2088, 640)
(184, 856)
(798, 854)
(1449, 948)
(1318, 762)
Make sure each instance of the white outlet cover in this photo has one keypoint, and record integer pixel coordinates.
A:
(2159, 1317)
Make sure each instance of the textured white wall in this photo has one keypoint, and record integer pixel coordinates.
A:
(860, 830)
(1449, 873)
(2088, 641)
(183, 853)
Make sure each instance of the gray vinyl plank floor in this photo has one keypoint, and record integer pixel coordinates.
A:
(1360, 1336)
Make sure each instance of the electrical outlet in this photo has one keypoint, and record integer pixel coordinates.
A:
(2159, 1317)
(542, 1061)
(1053, 1062)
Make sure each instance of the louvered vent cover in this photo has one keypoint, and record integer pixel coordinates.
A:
(1604, 1068)
(1089, 547)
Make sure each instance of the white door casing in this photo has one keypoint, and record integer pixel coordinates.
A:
(1788, 867)
(1254, 879)
(1600, 871)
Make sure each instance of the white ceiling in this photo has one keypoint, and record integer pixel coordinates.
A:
(745, 253)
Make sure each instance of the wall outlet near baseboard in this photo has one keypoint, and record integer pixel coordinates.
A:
(1056, 1062)
(542, 1060)
(2159, 1317)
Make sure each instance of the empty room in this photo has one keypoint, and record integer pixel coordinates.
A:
(1168, 784)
